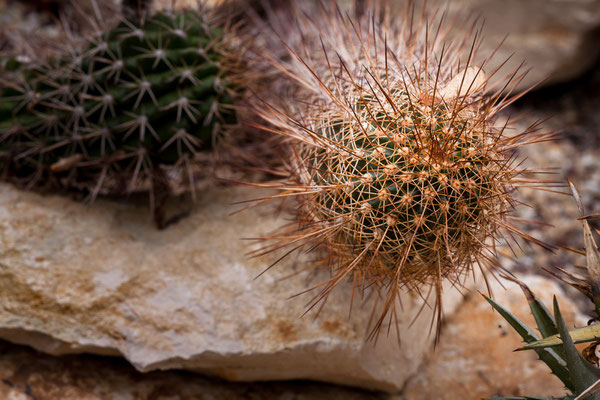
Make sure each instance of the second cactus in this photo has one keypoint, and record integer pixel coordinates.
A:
(138, 103)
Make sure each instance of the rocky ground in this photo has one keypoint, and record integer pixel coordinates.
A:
(473, 360)
(29, 375)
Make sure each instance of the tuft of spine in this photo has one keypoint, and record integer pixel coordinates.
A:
(402, 176)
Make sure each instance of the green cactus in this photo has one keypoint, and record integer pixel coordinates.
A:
(421, 195)
(138, 103)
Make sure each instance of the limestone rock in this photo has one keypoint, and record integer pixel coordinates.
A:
(475, 357)
(473, 360)
(557, 39)
(26, 374)
(101, 279)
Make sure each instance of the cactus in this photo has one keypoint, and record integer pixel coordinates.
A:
(129, 112)
(579, 372)
(403, 178)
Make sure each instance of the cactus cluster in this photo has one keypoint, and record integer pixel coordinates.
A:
(136, 104)
(402, 176)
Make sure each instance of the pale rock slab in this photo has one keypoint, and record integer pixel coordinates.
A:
(26, 374)
(101, 279)
(473, 360)
(556, 39)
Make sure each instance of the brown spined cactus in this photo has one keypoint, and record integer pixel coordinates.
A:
(402, 176)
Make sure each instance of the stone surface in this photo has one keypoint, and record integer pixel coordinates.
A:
(101, 279)
(475, 357)
(557, 39)
(28, 375)
(473, 360)
(571, 111)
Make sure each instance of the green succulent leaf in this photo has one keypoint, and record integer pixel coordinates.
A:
(593, 264)
(553, 360)
(584, 334)
(543, 317)
(591, 368)
(581, 375)
(589, 391)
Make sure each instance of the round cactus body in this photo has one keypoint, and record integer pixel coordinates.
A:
(410, 192)
(403, 176)
(138, 98)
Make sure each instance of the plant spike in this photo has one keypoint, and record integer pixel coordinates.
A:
(576, 373)
(584, 334)
(581, 374)
(554, 359)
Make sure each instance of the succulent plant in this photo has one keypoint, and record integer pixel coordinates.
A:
(131, 111)
(402, 175)
(579, 372)
(578, 375)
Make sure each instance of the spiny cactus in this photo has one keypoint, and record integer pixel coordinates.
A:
(401, 174)
(131, 111)
(579, 372)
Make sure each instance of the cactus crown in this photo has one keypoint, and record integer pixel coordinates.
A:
(402, 177)
(140, 98)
